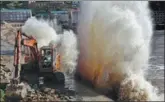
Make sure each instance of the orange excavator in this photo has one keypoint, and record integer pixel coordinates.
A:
(43, 62)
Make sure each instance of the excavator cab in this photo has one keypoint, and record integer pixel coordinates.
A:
(46, 60)
(49, 64)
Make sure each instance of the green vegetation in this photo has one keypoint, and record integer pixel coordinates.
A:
(2, 95)
(39, 9)
(14, 4)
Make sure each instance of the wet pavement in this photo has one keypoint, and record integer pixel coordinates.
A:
(156, 70)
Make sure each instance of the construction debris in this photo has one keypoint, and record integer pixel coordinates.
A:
(17, 90)
(5, 74)
(36, 95)
(24, 93)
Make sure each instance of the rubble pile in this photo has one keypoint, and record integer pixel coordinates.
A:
(5, 73)
(25, 92)
(37, 95)
(8, 34)
(17, 90)
(47, 94)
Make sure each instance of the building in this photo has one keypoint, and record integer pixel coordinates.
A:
(74, 15)
(75, 4)
(158, 8)
(62, 16)
(51, 5)
(16, 17)
(43, 15)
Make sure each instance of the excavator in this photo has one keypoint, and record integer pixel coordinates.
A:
(43, 62)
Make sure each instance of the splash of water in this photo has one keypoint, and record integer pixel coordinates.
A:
(114, 39)
(69, 52)
(67, 48)
(41, 30)
(45, 32)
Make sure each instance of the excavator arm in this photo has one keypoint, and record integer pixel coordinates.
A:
(29, 42)
(17, 55)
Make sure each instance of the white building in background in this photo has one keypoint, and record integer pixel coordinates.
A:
(16, 17)
(74, 15)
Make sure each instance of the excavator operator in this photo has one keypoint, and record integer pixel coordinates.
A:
(47, 59)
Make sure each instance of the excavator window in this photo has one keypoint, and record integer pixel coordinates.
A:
(46, 58)
(25, 50)
(42, 52)
(48, 53)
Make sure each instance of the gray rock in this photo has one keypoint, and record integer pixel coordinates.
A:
(50, 98)
(52, 91)
(67, 97)
(6, 69)
(2, 65)
(19, 90)
(47, 90)
(71, 97)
